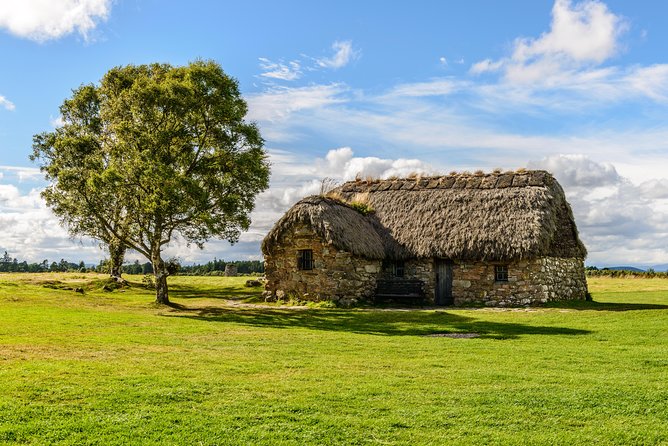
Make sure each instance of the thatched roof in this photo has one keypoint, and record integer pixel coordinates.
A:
(338, 224)
(497, 216)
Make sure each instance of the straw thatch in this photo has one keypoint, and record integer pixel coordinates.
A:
(337, 223)
(497, 216)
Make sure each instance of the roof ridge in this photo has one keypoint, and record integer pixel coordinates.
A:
(464, 180)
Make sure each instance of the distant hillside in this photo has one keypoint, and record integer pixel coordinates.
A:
(662, 268)
(624, 268)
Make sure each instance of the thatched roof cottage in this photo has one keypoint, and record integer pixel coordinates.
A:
(494, 239)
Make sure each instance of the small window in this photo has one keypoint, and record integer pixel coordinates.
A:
(305, 259)
(501, 273)
(398, 268)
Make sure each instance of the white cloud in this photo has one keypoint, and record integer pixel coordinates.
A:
(434, 87)
(580, 35)
(485, 65)
(340, 164)
(277, 104)
(655, 188)
(619, 221)
(584, 32)
(651, 81)
(293, 70)
(338, 158)
(343, 54)
(56, 122)
(23, 173)
(279, 70)
(6, 103)
(32, 233)
(577, 170)
(42, 20)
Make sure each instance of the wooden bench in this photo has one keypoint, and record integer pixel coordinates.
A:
(399, 290)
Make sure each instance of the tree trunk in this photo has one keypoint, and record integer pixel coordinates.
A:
(116, 256)
(160, 272)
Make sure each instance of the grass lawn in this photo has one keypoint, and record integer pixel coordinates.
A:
(112, 368)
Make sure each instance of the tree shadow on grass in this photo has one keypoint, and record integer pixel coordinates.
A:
(583, 305)
(236, 293)
(383, 323)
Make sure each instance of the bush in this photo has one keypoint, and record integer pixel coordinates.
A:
(148, 281)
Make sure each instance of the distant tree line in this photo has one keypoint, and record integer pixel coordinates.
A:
(592, 271)
(9, 264)
(217, 267)
(214, 267)
(12, 265)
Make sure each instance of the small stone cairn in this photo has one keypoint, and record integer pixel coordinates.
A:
(230, 270)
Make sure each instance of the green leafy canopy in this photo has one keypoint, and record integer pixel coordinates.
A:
(154, 151)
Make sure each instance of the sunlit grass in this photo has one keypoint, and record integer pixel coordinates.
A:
(112, 368)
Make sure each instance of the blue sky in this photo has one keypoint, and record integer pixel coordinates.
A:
(576, 87)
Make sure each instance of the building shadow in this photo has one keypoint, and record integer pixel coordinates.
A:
(374, 322)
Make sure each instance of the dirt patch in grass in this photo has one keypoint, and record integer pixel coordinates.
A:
(453, 335)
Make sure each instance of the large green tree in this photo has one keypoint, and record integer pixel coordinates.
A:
(71, 157)
(159, 152)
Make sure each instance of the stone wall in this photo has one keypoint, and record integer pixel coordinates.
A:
(336, 275)
(563, 279)
(529, 282)
(422, 269)
(341, 277)
(230, 270)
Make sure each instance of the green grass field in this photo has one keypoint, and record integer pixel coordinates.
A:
(112, 368)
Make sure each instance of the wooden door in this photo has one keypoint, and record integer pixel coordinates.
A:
(443, 282)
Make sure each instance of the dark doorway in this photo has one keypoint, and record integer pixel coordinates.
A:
(443, 282)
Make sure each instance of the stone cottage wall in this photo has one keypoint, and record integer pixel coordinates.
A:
(422, 269)
(341, 277)
(337, 275)
(563, 279)
(529, 282)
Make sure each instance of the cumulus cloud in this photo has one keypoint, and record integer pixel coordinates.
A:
(6, 103)
(32, 233)
(584, 32)
(42, 20)
(344, 53)
(576, 170)
(563, 69)
(655, 188)
(581, 34)
(279, 70)
(294, 178)
(342, 164)
(619, 221)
